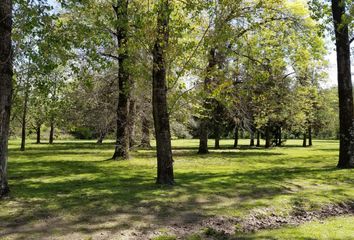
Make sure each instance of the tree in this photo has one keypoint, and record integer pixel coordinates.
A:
(5, 89)
(159, 98)
(122, 138)
(345, 91)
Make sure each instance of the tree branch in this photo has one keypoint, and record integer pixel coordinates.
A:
(179, 74)
(351, 41)
(109, 55)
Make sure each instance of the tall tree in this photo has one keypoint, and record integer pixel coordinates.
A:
(159, 97)
(345, 91)
(122, 138)
(5, 89)
(204, 124)
(24, 118)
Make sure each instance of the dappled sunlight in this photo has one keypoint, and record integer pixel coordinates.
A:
(76, 189)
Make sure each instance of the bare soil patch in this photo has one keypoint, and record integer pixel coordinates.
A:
(217, 227)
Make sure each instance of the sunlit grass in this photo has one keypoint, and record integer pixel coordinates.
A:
(339, 228)
(74, 184)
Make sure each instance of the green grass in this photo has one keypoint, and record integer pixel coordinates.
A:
(340, 228)
(71, 189)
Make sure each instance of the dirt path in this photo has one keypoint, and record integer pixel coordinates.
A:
(226, 227)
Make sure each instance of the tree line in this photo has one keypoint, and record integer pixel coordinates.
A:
(186, 68)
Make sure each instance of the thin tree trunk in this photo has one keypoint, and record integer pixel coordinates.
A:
(310, 136)
(204, 122)
(101, 137)
(279, 137)
(38, 134)
(236, 138)
(51, 133)
(217, 136)
(159, 98)
(345, 92)
(122, 138)
(304, 140)
(132, 117)
(251, 138)
(145, 132)
(203, 137)
(5, 89)
(217, 143)
(267, 137)
(258, 138)
(24, 118)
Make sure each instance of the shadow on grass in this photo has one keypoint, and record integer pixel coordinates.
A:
(124, 194)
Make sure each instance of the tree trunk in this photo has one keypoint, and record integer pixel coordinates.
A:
(51, 133)
(101, 137)
(5, 89)
(159, 98)
(304, 141)
(279, 137)
(24, 118)
(310, 136)
(345, 92)
(217, 143)
(203, 137)
(236, 138)
(122, 138)
(251, 138)
(217, 136)
(38, 133)
(145, 132)
(258, 138)
(204, 122)
(132, 117)
(267, 137)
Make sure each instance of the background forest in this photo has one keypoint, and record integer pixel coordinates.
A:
(257, 67)
(176, 119)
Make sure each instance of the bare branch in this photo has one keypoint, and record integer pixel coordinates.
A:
(179, 74)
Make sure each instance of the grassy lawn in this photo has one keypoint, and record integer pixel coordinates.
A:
(340, 228)
(70, 190)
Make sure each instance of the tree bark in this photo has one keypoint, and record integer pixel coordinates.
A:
(145, 132)
(38, 134)
(345, 92)
(6, 73)
(203, 137)
(267, 137)
(122, 137)
(51, 133)
(159, 98)
(236, 138)
(101, 137)
(132, 121)
(258, 138)
(217, 136)
(279, 137)
(304, 140)
(204, 123)
(24, 118)
(252, 138)
(310, 136)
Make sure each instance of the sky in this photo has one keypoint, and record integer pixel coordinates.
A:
(332, 67)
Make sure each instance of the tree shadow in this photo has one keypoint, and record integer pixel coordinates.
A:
(95, 195)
